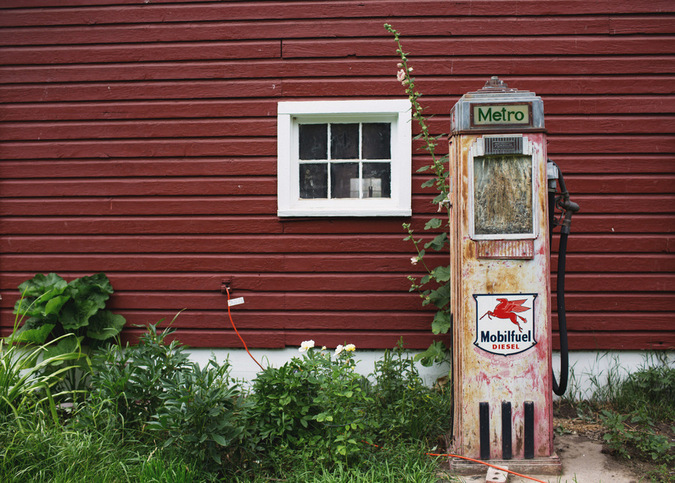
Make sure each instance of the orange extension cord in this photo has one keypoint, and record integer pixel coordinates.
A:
(229, 313)
(486, 464)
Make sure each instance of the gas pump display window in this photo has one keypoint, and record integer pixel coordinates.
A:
(502, 190)
(344, 158)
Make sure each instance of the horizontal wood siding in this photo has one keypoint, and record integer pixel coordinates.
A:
(139, 139)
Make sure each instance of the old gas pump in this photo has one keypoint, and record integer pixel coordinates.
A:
(501, 294)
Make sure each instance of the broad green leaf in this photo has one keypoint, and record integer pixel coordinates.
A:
(434, 353)
(104, 325)
(37, 335)
(429, 183)
(442, 322)
(441, 296)
(433, 223)
(438, 242)
(441, 274)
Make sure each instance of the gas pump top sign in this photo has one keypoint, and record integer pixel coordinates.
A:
(501, 114)
(495, 108)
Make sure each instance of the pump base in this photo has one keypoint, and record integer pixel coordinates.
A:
(537, 466)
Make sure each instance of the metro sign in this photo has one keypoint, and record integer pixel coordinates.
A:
(519, 114)
(505, 323)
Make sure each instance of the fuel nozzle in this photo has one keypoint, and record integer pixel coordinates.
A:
(562, 201)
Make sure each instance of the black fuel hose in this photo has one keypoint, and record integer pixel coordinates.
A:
(559, 389)
(569, 208)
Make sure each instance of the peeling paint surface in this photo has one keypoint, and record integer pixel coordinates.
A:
(481, 376)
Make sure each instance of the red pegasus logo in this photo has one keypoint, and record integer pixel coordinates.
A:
(506, 309)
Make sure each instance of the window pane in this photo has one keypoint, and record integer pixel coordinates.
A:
(314, 180)
(313, 141)
(344, 178)
(376, 140)
(502, 195)
(376, 180)
(344, 141)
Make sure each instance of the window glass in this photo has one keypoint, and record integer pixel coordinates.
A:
(376, 180)
(313, 180)
(344, 141)
(313, 141)
(344, 180)
(376, 140)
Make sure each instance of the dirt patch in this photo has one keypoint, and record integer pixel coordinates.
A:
(576, 435)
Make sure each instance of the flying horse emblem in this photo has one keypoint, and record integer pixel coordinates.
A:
(506, 309)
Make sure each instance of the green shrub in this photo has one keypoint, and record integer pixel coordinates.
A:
(54, 307)
(313, 408)
(126, 383)
(28, 374)
(403, 407)
(202, 414)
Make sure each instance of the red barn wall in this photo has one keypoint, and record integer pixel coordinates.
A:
(139, 139)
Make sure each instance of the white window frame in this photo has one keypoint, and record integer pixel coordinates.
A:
(291, 113)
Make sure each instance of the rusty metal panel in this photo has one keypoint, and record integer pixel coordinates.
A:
(479, 375)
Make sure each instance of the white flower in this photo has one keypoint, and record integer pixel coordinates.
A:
(306, 345)
(414, 260)
(350, 347)
(400, 75)
(339, 349)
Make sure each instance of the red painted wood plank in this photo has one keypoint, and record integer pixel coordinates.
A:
(618, 341)
(459, 85)
(231, 243)
(486, 46)
(183, 51)
(151, 75)
(313, 10)
(608, 163)
(332, 28)
(276, 243)
(136, 167)
(596, 224)
(623, 282)
(218, 108)
(608, 105)
(310, 263)
(219, 186)
(126, 91)
(174, 128)
(150, 109)
(139, 148)
(617, 322)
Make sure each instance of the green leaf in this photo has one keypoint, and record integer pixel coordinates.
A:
(438, 242)
(442, 322)
(435, 353)
(429, 183)
(433, 224)
(441, 296)
(441, 274)
(423, 169)
(37, 335)
(219, 439)
(104, 325)
(89, 295)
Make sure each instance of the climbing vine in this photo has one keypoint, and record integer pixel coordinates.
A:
(434, 287)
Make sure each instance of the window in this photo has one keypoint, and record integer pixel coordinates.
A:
(344, 158)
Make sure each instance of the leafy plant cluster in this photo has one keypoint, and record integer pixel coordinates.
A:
(53, 307)
(147, 413)
(434, 287)
(642, 406)
(318, 408)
